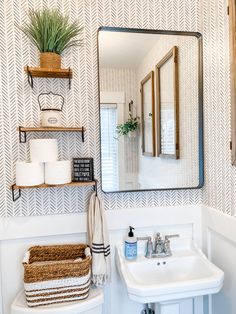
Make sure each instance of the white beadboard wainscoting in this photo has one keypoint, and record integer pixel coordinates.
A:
(219, 243)
(19, 233)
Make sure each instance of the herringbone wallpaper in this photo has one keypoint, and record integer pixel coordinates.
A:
(220, 188)
(18, 102)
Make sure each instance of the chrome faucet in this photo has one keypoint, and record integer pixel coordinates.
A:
(161, 247)
(158, 244)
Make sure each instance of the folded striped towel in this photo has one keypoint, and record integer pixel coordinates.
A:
(98, 238)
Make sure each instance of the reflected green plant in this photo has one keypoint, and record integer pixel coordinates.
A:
(132, 124)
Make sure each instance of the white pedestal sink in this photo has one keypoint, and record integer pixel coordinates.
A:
(185, 274)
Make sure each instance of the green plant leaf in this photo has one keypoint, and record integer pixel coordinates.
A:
(50, 31)
(130, 125)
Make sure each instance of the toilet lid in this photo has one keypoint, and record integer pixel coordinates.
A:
(94, 299)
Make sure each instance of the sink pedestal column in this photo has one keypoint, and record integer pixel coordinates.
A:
(175, 307)
(148, 309)
(168, 308)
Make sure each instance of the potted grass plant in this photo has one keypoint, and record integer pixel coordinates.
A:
(51, 32)
(129, 128)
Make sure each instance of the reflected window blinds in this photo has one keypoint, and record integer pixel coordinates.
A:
(109, 145)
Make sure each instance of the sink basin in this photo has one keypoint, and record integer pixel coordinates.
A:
(187, 273)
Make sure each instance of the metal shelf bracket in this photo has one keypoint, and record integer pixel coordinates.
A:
(15, 195)
(30, 78)
(69, 78)
(95, 187)
(22, 135)
(82, 134)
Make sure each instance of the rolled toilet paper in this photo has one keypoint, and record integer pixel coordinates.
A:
(58, 172)
(43, 150)
(29, 173)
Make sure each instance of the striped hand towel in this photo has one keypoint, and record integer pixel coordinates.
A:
(98, 239)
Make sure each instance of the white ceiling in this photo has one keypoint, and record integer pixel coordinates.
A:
(124, 50)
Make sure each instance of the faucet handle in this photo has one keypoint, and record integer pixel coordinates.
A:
(167, 248)
(158, 236)
(168, 236)
(149, 248)
(148, 238)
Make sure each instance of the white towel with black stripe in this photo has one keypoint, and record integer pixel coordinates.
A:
(98, 239)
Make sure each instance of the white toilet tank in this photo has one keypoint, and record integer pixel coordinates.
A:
(91, 305)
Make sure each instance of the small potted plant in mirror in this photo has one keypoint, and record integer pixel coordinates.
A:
(128, 128)
(51, 33)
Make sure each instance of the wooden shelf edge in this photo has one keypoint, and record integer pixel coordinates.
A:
(51, 129)
(43, 186)
(44, 72)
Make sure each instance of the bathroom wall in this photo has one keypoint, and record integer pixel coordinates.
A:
(18, 106)
(18, 102)
(219, 234)
(220, 176)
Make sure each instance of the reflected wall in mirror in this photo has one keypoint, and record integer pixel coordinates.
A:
(232, 37)
(148, 115)
(167, 94)
(126, 57)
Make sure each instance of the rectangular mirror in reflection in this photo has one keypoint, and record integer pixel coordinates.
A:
(167, 94)
(148, 115)
(150, 109)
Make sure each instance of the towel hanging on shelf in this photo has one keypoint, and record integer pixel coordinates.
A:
(98, 238)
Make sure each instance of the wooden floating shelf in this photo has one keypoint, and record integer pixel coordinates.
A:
(23, 130)
(50, 129)
(43, 186)
(47, 72)
(16, 196)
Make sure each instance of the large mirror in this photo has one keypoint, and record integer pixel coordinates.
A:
(151, 124)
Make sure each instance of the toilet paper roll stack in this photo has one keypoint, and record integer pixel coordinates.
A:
(58, 172)
(29, 173)
(44, 166)
(43, 150)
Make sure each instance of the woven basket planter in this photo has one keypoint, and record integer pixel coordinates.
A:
(56, 274)
(50, 60)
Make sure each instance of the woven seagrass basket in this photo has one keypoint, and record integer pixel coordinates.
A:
(56, 274)
(50, 60)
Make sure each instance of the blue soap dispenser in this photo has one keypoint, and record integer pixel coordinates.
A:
(131, 245)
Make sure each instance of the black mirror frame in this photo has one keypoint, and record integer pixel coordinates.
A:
(200, 102)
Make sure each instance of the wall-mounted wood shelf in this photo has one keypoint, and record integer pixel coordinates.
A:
(23, 130)
(49, 73)
(15, 187)
(43, 186)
